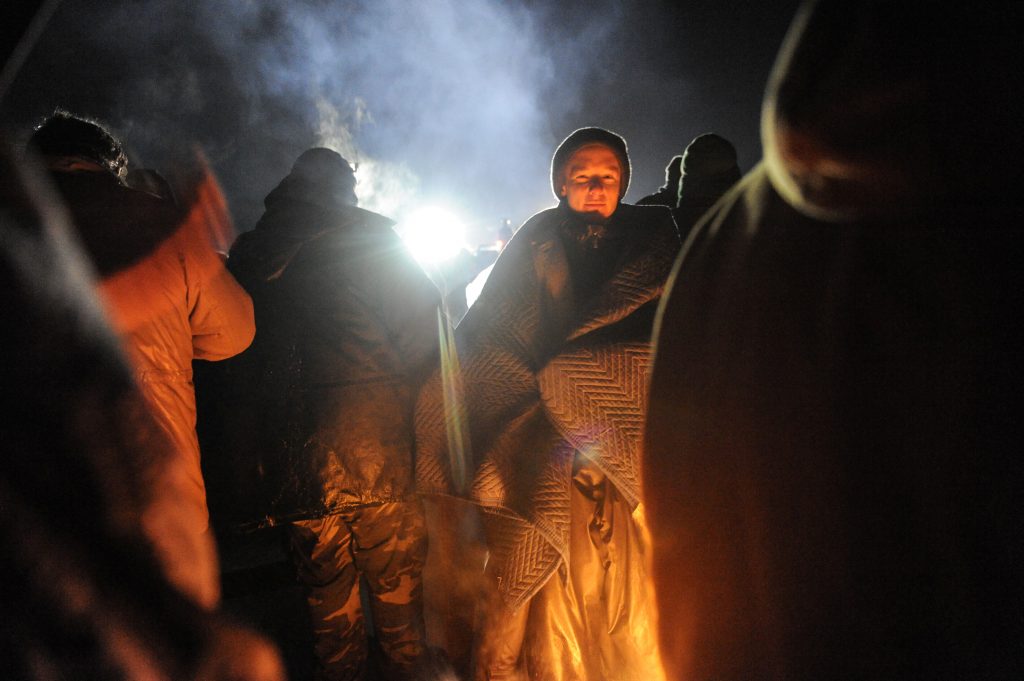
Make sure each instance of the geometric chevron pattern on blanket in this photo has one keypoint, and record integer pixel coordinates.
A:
(597, 398)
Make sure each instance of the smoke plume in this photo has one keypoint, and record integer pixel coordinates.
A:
(453, 102)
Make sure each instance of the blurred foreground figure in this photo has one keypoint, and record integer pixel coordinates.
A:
(554, 360)
(832, 461)
(85, 469)
(166, 291)
(320, 426)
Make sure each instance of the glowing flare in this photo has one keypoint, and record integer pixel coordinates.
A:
(432, 234)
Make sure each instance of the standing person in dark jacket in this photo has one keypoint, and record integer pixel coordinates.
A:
(347, 326)
(696, 180)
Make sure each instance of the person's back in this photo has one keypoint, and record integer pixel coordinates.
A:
(176, 305)
(322, 432)
(347, 323)
(97, 556)
(166, 291)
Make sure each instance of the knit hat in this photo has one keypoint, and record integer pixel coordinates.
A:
(673, 172)
(327, 171)
(710, 154)
(319, 162)
(580, 139)
(709, 166)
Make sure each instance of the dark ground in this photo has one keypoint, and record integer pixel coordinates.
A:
(260, 589)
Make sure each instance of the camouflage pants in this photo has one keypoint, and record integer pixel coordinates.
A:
(386, 545)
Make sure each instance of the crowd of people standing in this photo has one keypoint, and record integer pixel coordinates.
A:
(760, 426)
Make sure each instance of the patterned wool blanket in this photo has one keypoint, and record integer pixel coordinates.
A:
(542, 373)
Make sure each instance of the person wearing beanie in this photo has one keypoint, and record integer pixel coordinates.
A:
(709, 169)
(668, 193)
(554, 358)
(319, 436)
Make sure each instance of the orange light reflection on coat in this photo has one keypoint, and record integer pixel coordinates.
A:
(177, 304)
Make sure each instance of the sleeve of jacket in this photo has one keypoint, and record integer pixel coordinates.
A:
(220, 311)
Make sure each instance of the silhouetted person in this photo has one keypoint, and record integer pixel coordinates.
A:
(541, 427)
(165, 289)
(709, 169)
(833, 450)
(321, 432)
(91, 519)
(668, 194)
(505, 233)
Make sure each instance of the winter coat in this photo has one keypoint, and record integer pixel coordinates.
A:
(170, 305)
(837, 407)
(554, 357)
(99, 559)
(833, 449)
(320, 416)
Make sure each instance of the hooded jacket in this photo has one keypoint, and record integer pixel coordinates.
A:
(833, 443)
(320, 407)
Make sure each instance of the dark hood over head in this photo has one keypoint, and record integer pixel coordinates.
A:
(316, 198)
(709, 168)
(879, 108)
(320, 177)
(584, 137)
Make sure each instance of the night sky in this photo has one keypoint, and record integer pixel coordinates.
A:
(440, 102)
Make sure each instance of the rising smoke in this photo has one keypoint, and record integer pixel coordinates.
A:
(436, 101)
(387, 187)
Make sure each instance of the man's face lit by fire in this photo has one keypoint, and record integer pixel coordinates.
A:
(592, 180)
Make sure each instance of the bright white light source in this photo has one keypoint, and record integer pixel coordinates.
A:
(432, 234)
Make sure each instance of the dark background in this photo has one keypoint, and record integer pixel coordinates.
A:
(457, 103)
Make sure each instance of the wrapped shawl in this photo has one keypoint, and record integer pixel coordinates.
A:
(543, 373)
